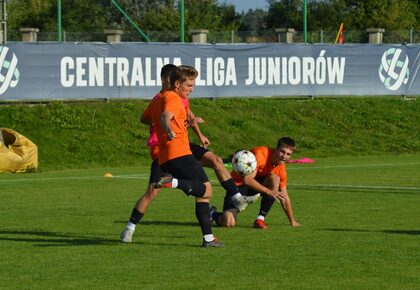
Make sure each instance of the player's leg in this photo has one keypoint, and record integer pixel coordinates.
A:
(143, 203)
(209, 159)
(187, 171)
(228, 217)
(272, 182)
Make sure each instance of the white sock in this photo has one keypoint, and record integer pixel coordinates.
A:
(131, 226)
(236, 196)
(209, 237)
(174, 183)
(260, 217)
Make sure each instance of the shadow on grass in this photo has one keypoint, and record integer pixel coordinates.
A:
(400, 232)
(54, 239)
(164, 223)
(183, 224)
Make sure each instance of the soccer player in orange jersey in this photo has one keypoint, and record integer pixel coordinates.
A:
(200, 153)
(169, 116)
(269, 179)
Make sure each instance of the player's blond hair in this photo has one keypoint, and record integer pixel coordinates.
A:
(182, 73)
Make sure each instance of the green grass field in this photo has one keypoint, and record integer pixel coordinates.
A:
(360, 216)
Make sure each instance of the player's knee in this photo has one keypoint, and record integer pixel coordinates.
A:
(152, 192)
(272, 180)
(274, 177)
(208, 192)
(216, 162)
(229, 221)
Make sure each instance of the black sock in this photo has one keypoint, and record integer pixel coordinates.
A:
(230, 187)
(192, 187)
(215, 217)
(266, 203)
(202, 212)
(135, 216)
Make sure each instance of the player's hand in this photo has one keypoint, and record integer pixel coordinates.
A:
(195, 121)
(198, 120)
(205, 141)
(278, 196)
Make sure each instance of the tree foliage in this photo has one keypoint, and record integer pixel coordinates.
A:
(215, 15)
(77, 15)
(356, 14)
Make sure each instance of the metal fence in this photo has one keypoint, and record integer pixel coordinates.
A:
(269, 36)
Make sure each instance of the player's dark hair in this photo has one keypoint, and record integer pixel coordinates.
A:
(166, 70)
(181, 75)
(286, 142)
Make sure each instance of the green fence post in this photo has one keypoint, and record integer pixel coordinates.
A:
(130, 20)
(59, 20)
(182, 21)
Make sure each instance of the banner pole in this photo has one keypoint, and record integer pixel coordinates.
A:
(59, 20)
(182, 20)
(305, 26)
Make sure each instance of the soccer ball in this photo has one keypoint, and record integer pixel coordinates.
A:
(244, 162)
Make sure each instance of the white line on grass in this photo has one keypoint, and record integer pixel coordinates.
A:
(356, 186)
(133, 176)
(352, 165)
(146, 176)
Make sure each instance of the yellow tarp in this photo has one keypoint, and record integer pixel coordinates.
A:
(17, 153)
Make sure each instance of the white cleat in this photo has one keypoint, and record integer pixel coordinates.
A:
(127, 235)
(242, 201)
(252, 198)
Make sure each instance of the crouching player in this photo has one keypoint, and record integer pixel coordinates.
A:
(269, 179)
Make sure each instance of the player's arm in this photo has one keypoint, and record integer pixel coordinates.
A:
(165, 120)
(286, 203)
(193, 122)
(250, 181)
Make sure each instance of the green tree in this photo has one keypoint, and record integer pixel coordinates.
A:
(284, 13)
(77, 15)
(28, 13)
(208, 14)
(357, 15)
(163, 15)
(388, 14)
(253, 20)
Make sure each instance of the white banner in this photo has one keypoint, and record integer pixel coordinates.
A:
(132, 70)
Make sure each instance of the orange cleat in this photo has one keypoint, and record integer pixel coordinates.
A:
(260, 224)
(164, 182)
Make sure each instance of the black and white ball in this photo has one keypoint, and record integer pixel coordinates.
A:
(244, 162)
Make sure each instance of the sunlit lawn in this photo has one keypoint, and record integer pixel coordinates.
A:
(360, 216)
